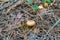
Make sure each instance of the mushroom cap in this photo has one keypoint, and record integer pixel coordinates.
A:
(30, 23)
(41, 7)
(45, 4)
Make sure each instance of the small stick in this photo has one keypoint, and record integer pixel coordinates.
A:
(13, 6)
(53, 26)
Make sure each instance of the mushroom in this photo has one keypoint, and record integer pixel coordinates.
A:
(31, 23)
(41, 7)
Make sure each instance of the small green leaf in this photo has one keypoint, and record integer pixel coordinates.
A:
(35, 7)
(48, 1)
(29, 1)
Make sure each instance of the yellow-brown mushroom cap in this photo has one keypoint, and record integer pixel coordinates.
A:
(31, 23)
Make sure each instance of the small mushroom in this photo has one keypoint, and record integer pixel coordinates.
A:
(45, 4)
(41, 7)
(31, 23)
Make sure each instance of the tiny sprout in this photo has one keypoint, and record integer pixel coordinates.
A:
(35, 7)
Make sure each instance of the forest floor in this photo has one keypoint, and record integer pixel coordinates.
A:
(15, 14)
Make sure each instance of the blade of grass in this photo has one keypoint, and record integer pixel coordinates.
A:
(53, 26)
